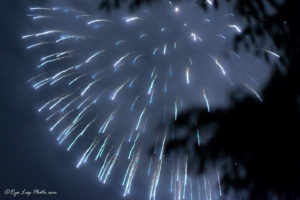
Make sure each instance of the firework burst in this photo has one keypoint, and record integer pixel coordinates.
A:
(109, 81)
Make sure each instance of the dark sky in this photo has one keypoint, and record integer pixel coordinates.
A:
(30, 156)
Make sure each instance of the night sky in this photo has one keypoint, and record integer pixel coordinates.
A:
(31, 158)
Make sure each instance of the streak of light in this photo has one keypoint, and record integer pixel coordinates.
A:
(97, 21)
(206, 100)
(219, 65)
(187, 74)
(235, 27)
(140, 118)
(252, 90)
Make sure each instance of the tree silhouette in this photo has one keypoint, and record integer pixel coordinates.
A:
(261, 138)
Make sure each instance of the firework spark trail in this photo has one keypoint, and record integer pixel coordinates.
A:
(136, 58)
(150, 165)
(205, 187)
(134, 143)
(155, 180)
(60, 120)
(60, 78)
(172, 178)
(221, 36)
(198, 188)
(155, 50)
(234, 26)
(178, 183)
(79, 135)
(79, 116)
(60, 100)
(58, 54)
(198, 137)
(41, 34)
(140, 118)
(131, 19)
(127, 171)
(165, 49)
(176, 109)
(84, 156)
(252, 90)
(61, 72)
(191, 190)
(99, 154)
(117, 90)
(133, 168)
(219, 182)
(185, 175)
(163, 145)
(97, 21)
(89, 86)
(67, 37)
(119, 42)
(51, 116)
(83, 102)
(113, 162)
(151, 85)
(100, 174)
(219, 65)
(93, 56)
(195, 37)
(107, 122)
(187, 72)
(272, 53)
(67, 105)
(118, 62)
(65, 134)
(46, 104)
(209, 189)
(149, 81)
(37, 44)
(76, 78)
(206, 100)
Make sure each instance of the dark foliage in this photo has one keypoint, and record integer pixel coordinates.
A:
(108, 5)
(261, 137)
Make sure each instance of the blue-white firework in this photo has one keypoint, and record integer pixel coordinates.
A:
(110, 80)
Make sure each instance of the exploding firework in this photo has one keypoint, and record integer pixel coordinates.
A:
(109, 81)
